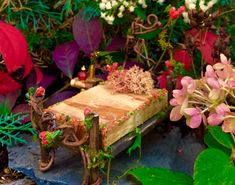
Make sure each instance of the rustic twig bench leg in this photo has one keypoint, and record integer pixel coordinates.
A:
(91, 174)
(94, 147)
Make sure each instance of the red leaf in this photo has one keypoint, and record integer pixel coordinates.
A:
(7, 84)
(162, 79)
(183, 57)
(14, 48)
(206, 46)
(204, 43)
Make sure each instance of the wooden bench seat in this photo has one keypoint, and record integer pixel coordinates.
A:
(119, 114)
(114, 116)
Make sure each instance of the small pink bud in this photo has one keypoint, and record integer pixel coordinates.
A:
(174, 14)
(87, 111)
(40, 92)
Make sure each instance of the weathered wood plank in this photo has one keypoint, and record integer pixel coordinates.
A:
(118, 113)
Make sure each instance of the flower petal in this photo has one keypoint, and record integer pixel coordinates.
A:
(229, 125)
(222, 109)
(192, 111)
(214, 119)
(175, 114)
(213, 82)
(195, 121)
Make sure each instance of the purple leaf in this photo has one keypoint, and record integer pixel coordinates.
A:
(65, 57)
(55, 98)
(130, 64)
(46, 81)
(24, 109)
(87, 34)
(116, 44)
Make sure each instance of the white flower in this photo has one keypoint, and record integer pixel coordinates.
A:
(108, 6)
(114, 3)
(109, 19)
(125, 3)
(120, 15)
(103, 15)
(191, 6)
(104, 1)
(131, 8)
(186, 18)
(161, 1)
(144, 6)
(102, 6)
(141, 1)
(121, 8)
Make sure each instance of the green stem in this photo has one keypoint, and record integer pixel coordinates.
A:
(160, 59)
(63, 88)
(226, 12)
(108, 171)
(233, 137)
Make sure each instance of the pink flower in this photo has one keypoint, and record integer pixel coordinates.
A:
(179, 96)
(188, 84)
(210, 72)
(213, 82)
(181, 9)
(44, 142)
(175, 113)
(222, 109)
(217, 118)
(42, 135)
(87, 111)
(224, 59)
(194, 117)
(112, 68)
(229, 124)
(40, 92)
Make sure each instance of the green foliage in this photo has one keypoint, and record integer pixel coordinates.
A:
(222, 138)
(4, 108)
(140, 13)
(10, 127)
(35, 13)
(88, 122)
(160, 176)
(214, 167)
(137, 143)
(51, 137)
(212, 143)
(100, 159)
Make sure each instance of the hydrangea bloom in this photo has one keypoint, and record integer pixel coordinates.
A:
(207, 100)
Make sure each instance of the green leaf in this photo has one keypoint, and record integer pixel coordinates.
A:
(140, 13)
(214, 167)
(212, 143)
(137, 143)
(159, 176)
(150, 35)
(221, 137)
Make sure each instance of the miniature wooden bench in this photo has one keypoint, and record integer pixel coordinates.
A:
(113, 117)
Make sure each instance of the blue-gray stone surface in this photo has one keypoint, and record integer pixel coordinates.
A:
(166, 150)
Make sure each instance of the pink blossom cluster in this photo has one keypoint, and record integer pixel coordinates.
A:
(209, 100)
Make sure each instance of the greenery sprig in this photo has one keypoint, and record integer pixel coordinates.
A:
(10, 125)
